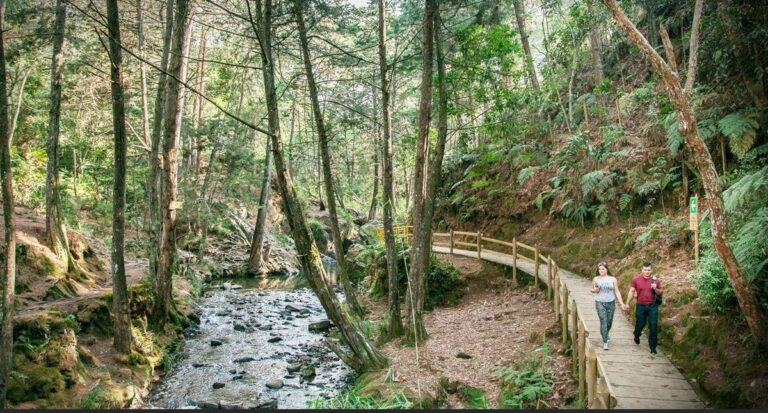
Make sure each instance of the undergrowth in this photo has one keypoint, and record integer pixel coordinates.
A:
(526, 384)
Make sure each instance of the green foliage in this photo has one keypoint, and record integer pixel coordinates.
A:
(353, 399)
(444, 284)
(710, 279)
(474, 397)
(526, 173)
(526, 385)
(741, 130)
(744, 190)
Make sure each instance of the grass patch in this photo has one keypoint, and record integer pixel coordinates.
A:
(354, 398)
(526, 385)
(474, 397)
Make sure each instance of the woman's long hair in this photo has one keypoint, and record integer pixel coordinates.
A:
(602, 264)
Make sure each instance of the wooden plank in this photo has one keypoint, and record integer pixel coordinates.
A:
(657, 393)
(643, 381)
(441, 234)
(582, 362)
(514, 260)
(442, 244)
(637, 403)
(591, 376)
(466, 244)
(464, 233)
(565, 311)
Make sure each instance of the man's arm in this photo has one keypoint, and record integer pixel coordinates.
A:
(630, 296)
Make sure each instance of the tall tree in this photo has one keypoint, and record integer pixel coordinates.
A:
(707, 173)
(256, 257)
(174, 102)
(142, 72)
(55, 231)
(376, 166)
(595, 46)
(415, 329)
(362, 356)
(8, 274)
(155, 158)
(425, 113)
(395, 327)
(322, 138)
(120, 309)
(520, 15)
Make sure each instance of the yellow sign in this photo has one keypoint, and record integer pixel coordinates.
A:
(402, 231)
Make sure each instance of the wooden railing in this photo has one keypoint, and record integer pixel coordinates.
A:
(594, 390)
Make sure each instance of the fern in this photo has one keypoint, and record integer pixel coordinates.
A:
(624, 201)
(596, 181)
(751, 243)
(525, 174)
(745, 189)
(674, 139)
(741, 131)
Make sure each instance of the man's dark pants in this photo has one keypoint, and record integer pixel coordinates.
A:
(647, 313)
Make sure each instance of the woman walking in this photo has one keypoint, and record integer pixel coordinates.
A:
(607, 289)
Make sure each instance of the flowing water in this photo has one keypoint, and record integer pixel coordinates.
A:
(253, 348)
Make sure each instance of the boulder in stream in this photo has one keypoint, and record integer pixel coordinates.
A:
(320, 326)
(275, 339)
(269, 404)
(275, 384)
(244, 359)
(218, 385)
(216, 343)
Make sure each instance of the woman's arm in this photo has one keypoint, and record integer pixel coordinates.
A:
(594, 285)
(617, 291)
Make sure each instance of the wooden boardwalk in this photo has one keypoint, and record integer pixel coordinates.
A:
(626, 376)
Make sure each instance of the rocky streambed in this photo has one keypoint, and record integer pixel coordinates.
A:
(254, 347)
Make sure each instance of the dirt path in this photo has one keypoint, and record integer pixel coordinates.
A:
(493, 324)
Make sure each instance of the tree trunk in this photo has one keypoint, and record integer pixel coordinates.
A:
(142, 72)
(177, 67)
(395, 326)
(414, 327)
(425, 112)
(156, 159)
(520, 15)
(256, 260)
(363, 356)
(322, 137)
(707, 174)
(55, 231)
(376, 169)
(198, 103)
(693, 58)
(120, 309)
(8, 270)
(594, 45)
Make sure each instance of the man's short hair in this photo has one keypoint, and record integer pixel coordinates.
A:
(647, 264)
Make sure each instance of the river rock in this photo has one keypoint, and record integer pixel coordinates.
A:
(244, 359)
(274, 339)
(205, 404)
(239, 327)
(308, 373)
(463, 355)
(290, 307)
(269, 404)
(266, 327)
(230, 406)
(218, 385)
(216, 343)
(275, 384)
(320, 326)
(293, 368)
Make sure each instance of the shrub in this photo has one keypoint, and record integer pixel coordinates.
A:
(445, 284)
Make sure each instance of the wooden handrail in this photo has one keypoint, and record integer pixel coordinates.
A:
(498, 241)
(474, 234)
(441, 234)
(528, 247)
(466, 244)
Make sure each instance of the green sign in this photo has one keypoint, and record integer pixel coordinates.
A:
(694, 206)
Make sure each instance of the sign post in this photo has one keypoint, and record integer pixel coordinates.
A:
(693, 225)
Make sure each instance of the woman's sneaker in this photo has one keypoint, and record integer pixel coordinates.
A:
(605, 346)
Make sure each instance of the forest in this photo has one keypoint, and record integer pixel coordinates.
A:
(344, 204)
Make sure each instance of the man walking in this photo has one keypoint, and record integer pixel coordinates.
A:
(645, 285)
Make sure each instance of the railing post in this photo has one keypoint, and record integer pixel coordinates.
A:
(574, 320)
(514, 259)
(556, 289)
(582, 363)
(565, 310)
(536, 262)
(451, 241)
(479, 247)
(591, 376)
(550, 284)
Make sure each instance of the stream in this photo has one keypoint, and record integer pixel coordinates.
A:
(253, 348)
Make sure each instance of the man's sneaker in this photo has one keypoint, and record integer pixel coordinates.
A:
(605, 346)
(653, 351)
(637, 340)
